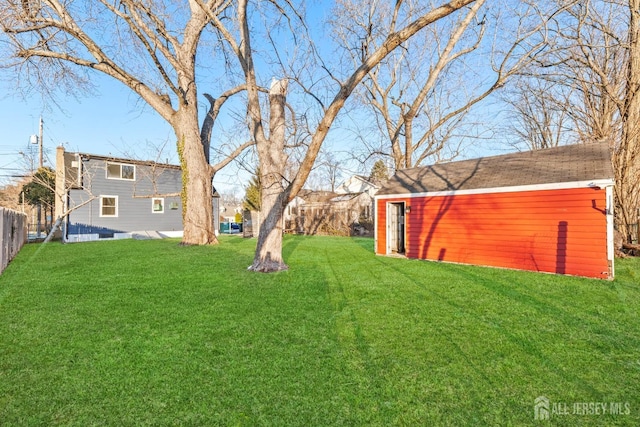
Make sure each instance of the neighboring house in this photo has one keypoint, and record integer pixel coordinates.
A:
(343, 212)
(230, 212)
(230, 218)
(308, 212)
(358, 184)
(294, 206)
(111, 198)
(357, 197)
(548, 210)
(309, 202)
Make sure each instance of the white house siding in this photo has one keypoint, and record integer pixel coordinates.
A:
(356, 184)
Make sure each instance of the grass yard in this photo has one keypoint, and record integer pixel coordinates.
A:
(152, 333)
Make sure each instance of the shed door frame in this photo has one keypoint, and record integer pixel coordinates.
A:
(396, 228)
(610, 231)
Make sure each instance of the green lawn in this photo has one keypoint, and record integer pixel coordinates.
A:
(152, 333)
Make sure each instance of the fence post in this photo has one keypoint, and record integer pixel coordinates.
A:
(12, 235)
(4, 244)
(638, 228)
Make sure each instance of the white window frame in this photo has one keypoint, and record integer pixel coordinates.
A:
(102, 197)
(120, 177)
(153, 200)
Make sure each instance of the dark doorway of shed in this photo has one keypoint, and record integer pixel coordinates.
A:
(395, 228)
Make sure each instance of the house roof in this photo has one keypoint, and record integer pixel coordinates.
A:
(311, 196)
(346, 197)
(568, 163)
(86, 156)
(365, 179)
(362, 178)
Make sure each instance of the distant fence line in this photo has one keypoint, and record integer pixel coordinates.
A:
(331, 222)
(634, 231)
(13, 235)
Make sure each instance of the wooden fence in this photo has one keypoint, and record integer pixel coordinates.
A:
(634, 232)
(13, 235)
(250, 223)
(331, 222)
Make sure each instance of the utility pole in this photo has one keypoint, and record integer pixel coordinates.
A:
(40, 144)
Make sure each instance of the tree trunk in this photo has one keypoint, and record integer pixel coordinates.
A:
(268, 256)
(627, 157)
(272, 159)
(197, 201)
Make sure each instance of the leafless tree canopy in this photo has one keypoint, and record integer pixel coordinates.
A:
(590, 73)
(150, 47)
(420, 63)
(421, 94)
(538, 117)
(305, 72)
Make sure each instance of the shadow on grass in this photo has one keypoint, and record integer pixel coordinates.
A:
(544, 344)
(366, 243)
(343, 338)
(234, 239)
(290, 244)
(370, 384)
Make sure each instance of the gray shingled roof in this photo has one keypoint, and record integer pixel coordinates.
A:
(125, 160)
(569, 163)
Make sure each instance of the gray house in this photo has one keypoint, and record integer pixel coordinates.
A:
(111, 198)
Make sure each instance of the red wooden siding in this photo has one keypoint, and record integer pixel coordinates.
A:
(557, 231)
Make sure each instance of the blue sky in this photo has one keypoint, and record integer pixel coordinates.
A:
(110, 122)
(113, 121)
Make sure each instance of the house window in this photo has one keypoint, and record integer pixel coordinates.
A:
(121, 171)
(173, 206)
(157, 205)
(108, 206)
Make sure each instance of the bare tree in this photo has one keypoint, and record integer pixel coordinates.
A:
(271, 146)
(50, 188)
(594, 66)
(423, 93)
(627, 159)
(11, 195)
(329, 170)
(538, 117)
(149, 46)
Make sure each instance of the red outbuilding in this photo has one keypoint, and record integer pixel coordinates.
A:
(548, 210)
